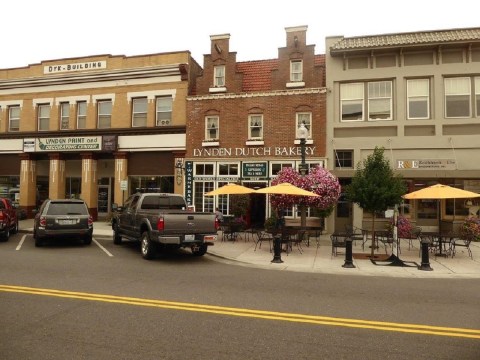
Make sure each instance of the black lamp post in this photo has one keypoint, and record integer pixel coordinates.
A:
(303, 135)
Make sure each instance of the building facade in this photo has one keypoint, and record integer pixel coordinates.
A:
(243, 121)
(96, 128)
(417, 95)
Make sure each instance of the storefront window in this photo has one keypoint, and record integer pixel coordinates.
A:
(10, 188)
(73, 187)
(143, 184)
(202, 202)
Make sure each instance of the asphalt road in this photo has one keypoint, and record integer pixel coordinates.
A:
(70, 301)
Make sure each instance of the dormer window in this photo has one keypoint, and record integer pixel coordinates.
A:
(219, 76)
(296, 70)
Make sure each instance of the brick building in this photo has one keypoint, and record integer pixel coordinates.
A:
(243, 120)
(98, 127)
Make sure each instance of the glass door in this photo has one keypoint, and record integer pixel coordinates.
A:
(103, 200)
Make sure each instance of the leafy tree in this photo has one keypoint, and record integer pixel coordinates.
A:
(375, 187)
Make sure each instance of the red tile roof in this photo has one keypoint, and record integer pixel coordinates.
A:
(257, 75)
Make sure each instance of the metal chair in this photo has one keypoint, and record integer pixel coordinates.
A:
(338, 241)
(465, 242)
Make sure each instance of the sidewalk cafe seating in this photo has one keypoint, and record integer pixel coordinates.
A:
(462, 242)
(414, 234)
(265, 235)
(432, 242)
(339, 240)
(386, 238)
(356, 234)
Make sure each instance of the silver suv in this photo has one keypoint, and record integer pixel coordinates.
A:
(64, 218)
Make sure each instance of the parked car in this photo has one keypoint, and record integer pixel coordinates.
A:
(64, 218)
(8, 219)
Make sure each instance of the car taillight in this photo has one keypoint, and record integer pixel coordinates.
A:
(90, 221)
(160, 224)
(43, 221)
(217, 224)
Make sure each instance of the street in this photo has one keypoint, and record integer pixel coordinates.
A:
(71, 301)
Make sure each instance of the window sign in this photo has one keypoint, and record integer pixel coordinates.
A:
(254, 170)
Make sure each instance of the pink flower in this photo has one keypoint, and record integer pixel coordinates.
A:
(318, 180)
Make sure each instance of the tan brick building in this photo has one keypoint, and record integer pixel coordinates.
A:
(243, 120)
(98, 128)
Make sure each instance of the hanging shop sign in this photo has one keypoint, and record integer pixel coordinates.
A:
(75, 143)
(254, 170)
(427, 164)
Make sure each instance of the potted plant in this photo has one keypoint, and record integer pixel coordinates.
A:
(471, 228)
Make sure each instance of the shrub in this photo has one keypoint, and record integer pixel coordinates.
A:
(404, 226)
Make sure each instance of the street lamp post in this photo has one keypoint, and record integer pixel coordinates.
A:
(303, 135)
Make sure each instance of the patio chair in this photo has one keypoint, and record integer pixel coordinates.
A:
(266, 235)
(356, 234)
(338, 241)
(462, 242)
(412, 235)
(386, 238)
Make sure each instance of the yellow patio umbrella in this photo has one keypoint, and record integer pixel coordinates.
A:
(440, 191)
(231, 189)
(285, 189)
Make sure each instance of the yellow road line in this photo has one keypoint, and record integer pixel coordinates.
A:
(270, 315)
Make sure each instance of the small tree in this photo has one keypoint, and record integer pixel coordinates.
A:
(375, 187)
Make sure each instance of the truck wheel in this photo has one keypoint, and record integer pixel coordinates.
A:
(5, 235)
(87, 240)
(147, 246)
(15, 228)
(117, 238)
(38, 242)
(199, 250)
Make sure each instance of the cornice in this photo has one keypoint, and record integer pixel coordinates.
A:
(322, 90)
(122, 74)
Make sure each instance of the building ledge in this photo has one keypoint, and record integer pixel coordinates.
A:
(254, 142)
(210, 143)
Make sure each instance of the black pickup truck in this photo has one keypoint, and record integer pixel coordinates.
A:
(161, 221)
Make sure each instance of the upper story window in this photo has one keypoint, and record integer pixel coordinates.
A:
(164, 110)
(64, 116)
(296, 70)
(418, 99)
(255, 128)
(204, 169)
(379, 105)
(380, 100)
(104, 114)
(458, 97)
(305, 119)
(477, 95)
(211, 128)
(343, 159)
(352, 102)
(14, 118)
(226, 169)
(219, 76)
(139, 112)
(81, 115)
(43, 117)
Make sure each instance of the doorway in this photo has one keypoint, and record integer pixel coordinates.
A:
(103, 206)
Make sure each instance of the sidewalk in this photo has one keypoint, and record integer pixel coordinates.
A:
(315, 259)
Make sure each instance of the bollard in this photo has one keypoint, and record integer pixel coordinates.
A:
(348, 254)
(425, 260)
(277, 249)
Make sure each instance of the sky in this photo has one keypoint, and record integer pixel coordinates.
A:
(37, 30)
